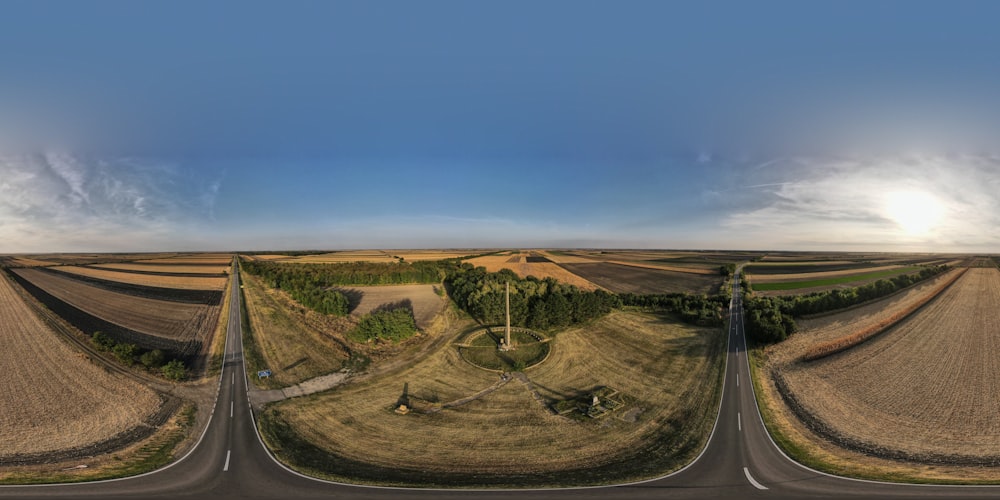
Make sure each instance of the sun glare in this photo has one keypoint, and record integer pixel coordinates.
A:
(916, 212)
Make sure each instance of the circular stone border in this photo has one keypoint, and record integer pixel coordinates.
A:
(468, 338)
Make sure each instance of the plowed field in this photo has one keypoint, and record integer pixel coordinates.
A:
(53, 398)
(171, 320)
(926, 390)
(630, 279)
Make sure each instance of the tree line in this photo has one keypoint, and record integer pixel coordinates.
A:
(770, 319)
(279, 275)
(534, 303)
(700, 310)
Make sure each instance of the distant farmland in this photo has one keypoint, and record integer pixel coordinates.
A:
(630, 279)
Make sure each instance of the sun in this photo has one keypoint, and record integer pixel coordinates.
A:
(916, 212)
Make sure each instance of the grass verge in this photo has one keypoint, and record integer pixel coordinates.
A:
(155, 453)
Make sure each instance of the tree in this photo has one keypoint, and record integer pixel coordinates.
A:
(174, 370)
(125, 353)
(152, 359)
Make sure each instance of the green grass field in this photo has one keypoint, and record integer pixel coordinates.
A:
(793, 285)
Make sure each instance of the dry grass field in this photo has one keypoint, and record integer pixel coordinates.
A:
(423, 299)
(167, 269)
(153, 280)
(630, 279)
(53, 397)
(171, 320)
(520, 264)
(935, 409)
(292, 347)
(511, 432)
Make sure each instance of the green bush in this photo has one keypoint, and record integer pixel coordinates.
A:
(153, 359)
(125, 353)
(394, 325)
(174, 370)
(103, 341)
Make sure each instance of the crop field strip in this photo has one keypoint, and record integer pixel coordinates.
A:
(149, 279)
(45, 378)
(186, 296)
(175, 323)
(167, 269)
(508, 433)
(629, 279)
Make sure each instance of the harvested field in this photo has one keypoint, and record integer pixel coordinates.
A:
(292, 347)
(523, 268)
(171, 269)
(413, 255)
(492, 431)
(27, 262)
(353, 256)
(629, 279)
(176, 324)
(422, 299)
(216, 283)
(54, 399)
(936, 400)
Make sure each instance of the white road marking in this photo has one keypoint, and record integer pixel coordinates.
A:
(737, 380)
(234, 378)
(232, 405)
(226, 467)
(753, 481)
(739, 421)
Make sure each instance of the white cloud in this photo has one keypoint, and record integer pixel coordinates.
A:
(845, 204)
(57, 201)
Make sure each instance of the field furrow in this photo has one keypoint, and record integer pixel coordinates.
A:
(176, 321)
(924, 389)
(54, 399)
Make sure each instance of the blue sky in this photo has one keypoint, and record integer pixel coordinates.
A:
(243, 125)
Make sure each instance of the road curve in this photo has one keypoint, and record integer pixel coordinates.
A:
(740, 460)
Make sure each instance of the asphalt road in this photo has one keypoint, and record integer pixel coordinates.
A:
(740, 460)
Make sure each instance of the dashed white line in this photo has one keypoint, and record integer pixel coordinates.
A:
(234, 378)
(232, 405)
(739, 422)
(737, 380)
(753, 481)
(228, 452)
